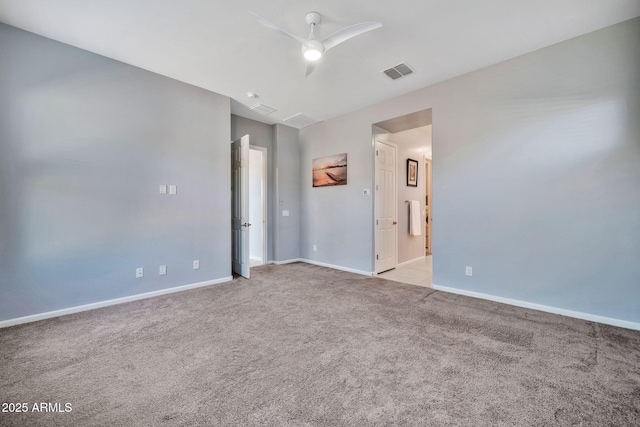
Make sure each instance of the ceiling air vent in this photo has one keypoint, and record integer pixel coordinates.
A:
(398, 71)
(263, 109)
(299, 121)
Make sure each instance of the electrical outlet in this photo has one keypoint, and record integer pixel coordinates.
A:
(162, 270)
(196, 264)
(163, 189)
(468, 271)
(139, 273)
(315, 248)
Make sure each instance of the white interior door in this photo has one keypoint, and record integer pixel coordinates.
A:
(386, 207)
(240, 206)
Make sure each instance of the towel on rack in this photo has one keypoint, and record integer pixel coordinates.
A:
(415, 225)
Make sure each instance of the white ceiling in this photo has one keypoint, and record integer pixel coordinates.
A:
(217, 45)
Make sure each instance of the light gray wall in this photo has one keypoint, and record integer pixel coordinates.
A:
(85, 142)
(261, 135)
(288, 192)
(338, 219)
(283, 172)
(535, 177)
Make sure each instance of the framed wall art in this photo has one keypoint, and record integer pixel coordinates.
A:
(412, 173)
(330, 170)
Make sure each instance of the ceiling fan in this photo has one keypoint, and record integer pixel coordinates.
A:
(312, 48)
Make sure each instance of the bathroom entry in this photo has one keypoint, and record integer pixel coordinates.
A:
(412, 135)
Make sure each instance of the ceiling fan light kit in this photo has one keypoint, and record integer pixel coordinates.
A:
(312, 48)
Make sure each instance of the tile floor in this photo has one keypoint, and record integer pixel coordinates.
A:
(254, 262)
(418, 273)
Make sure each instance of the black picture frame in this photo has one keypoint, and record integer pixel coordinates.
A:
(412, 173)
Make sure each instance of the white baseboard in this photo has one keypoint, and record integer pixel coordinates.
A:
(410, 261)
(337, 267)
(540, 307)
(287, 261)
(92, 306)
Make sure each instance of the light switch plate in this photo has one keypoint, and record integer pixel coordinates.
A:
(173, 189)
(285, 213)
(162, 270)
(196, 264)
(366, 192)
(163, 189)
(139, 273)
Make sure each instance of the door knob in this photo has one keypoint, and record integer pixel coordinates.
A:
(246, 224)
(394, 223)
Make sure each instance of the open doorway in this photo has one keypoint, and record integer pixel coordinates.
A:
(257, 205)
(248, 206)
(412, 136)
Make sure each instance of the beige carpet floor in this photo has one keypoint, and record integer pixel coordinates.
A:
(302, 345)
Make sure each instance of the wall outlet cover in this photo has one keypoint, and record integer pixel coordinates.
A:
(139, 273)
(173, 189)
(163, 189)
(285, 213)
(468, 271)
(162, 270)
(196, 264)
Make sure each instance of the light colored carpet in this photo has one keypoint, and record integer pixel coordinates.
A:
(303, 345)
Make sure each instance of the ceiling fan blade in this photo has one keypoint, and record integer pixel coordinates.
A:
(346, 33)
(272, 27)
(311, 65)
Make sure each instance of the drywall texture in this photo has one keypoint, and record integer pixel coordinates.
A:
(535, 177)
(283, 186)
(338, 219)
(85, 142)
(261, 135)
(288, 192)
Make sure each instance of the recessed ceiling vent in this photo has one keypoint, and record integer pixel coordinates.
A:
(300, 120)
(398, 71)
(263, 109)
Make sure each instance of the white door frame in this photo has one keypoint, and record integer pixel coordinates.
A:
(263, 200)
(428, 174)
(375, 205)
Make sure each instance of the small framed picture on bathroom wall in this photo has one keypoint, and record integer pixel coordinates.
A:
(412, 173)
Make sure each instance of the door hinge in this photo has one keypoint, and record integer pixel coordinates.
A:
(376, 152)
(376, 256)
(376, 222)
(376, 187)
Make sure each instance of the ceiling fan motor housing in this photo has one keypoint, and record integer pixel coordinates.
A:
(312, 18)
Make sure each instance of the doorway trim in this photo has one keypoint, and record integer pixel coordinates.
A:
(428, 163)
